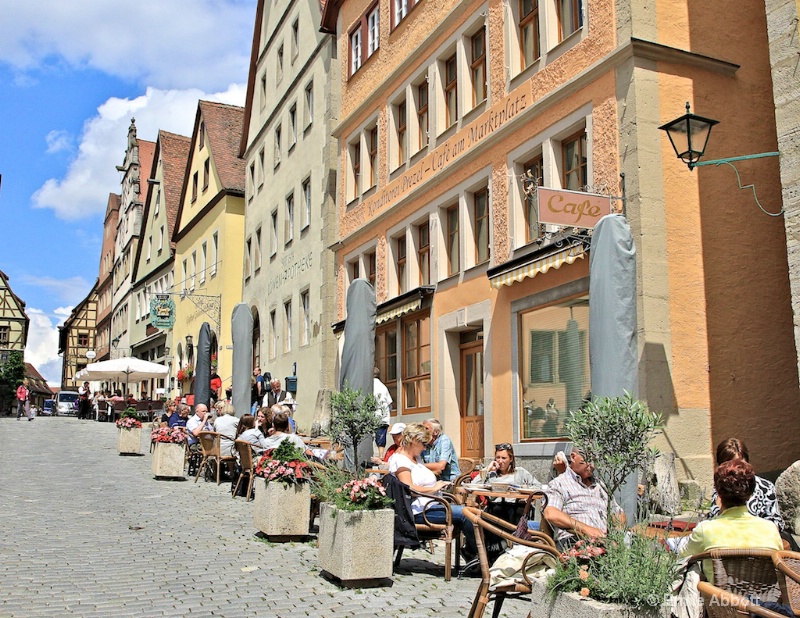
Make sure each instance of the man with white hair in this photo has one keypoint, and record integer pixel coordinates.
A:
(440, 456)
(199, 422)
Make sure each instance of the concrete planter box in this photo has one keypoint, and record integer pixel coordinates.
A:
(356, 547)
(168, 459)
(282, 510)
(129, 441)
(572, 605)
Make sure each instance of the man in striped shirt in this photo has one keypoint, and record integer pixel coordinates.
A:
(577, 505)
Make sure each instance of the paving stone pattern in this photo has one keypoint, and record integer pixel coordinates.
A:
(88, 532)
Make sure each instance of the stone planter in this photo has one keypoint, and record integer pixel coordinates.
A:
(572, 605)
(356, 547)
(129, 441)
(168, 459)
(282, 512)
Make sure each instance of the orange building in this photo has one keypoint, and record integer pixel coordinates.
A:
(452, 111)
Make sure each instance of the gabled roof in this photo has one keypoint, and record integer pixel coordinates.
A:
(20, 306)
(223, 125)
(146, 151)
(114, 200)
(330, 15)
(36, 382)
(251, 77)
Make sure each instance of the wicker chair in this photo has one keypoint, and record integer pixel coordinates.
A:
(248, 466)
(209, 443)
(429, 531)
(744, 572)
(483, 521)
(720, 603)
(466, 465)
(788, 565)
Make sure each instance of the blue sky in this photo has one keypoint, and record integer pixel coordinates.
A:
(72, 75)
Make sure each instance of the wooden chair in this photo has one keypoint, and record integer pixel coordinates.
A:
(484, 522)
(787, 564)
(720, 603)
(209, 443)
(248, 465)
(744, 572)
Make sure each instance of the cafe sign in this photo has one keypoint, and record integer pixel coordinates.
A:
(571, 208)
(162, 312)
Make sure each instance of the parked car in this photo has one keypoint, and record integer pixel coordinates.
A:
(48, 407)
(66, 403)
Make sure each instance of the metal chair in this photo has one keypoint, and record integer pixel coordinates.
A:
(787, 564)
(245, 450)
(209, 443)
(720, 603)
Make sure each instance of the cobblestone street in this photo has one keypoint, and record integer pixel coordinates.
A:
(91, 533)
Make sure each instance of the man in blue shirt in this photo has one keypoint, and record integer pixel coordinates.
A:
(179, 416)
(440, 456)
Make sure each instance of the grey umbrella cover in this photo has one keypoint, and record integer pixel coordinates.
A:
(242, 332)
(202, 369)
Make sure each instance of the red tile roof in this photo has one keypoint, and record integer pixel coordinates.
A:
(174, 158)
(223, 125)
(146, 151)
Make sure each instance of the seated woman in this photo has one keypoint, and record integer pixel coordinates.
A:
(280, 425)
(248, 432)
(406, 464)
(264, 420)
(504, 468)
(735, 528)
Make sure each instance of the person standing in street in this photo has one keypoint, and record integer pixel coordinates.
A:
(84, 392)
(23, 396)
(384, 411)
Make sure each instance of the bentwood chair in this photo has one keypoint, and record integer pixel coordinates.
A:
(210, 445)
(744, 572)
(787, 564)
(245, 450)
(720, 603)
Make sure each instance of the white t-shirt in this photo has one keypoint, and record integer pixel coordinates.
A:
(421, 476)
(384, 397)
(274, 440)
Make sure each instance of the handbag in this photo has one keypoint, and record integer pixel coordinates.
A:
(522, 525)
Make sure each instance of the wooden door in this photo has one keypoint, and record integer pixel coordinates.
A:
(471, 401)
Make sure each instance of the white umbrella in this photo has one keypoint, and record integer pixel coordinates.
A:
(130, 368)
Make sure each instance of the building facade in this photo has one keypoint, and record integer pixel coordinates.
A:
(289, 277)
(14, 322)
(105, 281)
(453, 111)
(208, 238)
(77, 339)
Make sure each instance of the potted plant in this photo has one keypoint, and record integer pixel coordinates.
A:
(355, 530)
(169, 454)
(282, 506)
(353, 418)
(129, 433)
(626, 572)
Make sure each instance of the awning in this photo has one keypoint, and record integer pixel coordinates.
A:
(396, 312)
(539, 264)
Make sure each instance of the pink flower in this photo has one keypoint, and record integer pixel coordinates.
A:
(584, 592)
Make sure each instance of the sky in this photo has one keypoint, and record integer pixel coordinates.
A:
(72, 75)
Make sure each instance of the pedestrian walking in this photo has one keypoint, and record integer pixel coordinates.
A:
(23, 400)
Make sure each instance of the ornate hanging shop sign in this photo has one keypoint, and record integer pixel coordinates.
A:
(572, 208)
(162, 312)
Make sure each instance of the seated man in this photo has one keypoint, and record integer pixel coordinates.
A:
(179, 415)
(280, 424)
(440, 456)
(199, 422)
(577, 505)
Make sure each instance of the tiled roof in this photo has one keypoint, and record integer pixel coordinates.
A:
(37, 383)
(174, 157)
(114, 200)
(146, 151)
(223, 125)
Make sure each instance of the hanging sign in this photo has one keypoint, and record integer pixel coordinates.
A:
(162, 312)
(571, 208)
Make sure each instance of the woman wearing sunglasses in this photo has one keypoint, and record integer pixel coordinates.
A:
(504, 468)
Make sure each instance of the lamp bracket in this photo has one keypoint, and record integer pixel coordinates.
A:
(751, 186)
(730, 159)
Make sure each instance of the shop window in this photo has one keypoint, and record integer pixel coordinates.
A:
(386, 359)
(416, 364)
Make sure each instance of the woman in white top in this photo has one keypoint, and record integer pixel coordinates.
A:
(407, 466)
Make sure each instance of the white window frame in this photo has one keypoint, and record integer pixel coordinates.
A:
(373, 30)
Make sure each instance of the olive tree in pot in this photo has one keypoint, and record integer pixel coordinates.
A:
(353, 418)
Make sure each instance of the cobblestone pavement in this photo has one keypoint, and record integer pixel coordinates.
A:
(88, 532)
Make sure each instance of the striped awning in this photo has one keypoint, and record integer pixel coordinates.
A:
(396, 312)
(554, 260)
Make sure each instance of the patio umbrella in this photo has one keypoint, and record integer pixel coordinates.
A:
(572, 374)
(128, 368)
(242, 334)
(202, 371)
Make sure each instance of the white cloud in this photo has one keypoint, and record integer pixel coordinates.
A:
(57, 141)
(92, 175)
(62, 313)
(42, 346)
(71, 290)
(175, 44)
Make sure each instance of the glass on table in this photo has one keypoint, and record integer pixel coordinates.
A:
(485, 462)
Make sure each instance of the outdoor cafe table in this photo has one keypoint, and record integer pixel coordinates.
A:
(473, 494)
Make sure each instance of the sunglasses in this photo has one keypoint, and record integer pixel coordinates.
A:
(505, 446)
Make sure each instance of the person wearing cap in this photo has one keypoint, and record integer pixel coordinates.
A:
(384, 411)
(396, 431)
(290, 407)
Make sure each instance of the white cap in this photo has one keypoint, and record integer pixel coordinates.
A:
(397, 428)
(289, 401)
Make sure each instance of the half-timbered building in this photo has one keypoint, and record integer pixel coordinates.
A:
(76, 337)
(14, 321)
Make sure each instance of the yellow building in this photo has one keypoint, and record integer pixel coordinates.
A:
(209, 236)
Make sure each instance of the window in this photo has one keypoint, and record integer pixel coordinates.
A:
(355, 166)
(201, 136)
(306, 203)
(534, 170)
(373, 32)
(160, 239)
(481, 217)
(262, 174)
(295, 39)
(274, 234)
(305, 330)
(288, 231)
(355, 271)
(400, 264)
(424, 253)
(203, 261)
(292, 126)
(553, 365)
(273, 335)
(416, 364)
(276, 156)
(451, 90)
(83, 339)
(373, 156)
(308, 110)
(530, 47)
(263, 99)
(248, 258)
(574, 168)
(478, 66)
(570, 17)
(279, 72)
(451, 219)
(194, 268)
(214, 253)
(257, 251)
(149, 247)
(253, 177)
(158, 202)
(386, 359)
(206, 173)
(355, 50)
(287, 326)
(194, 186)
(400, 10)
(402, 134)
(372, 263)
(422, 114)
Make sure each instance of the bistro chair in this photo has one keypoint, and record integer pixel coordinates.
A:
(209, 443)
(248, 466)
(720, 603)
(744, 572)
(788, 565)
(484, 523)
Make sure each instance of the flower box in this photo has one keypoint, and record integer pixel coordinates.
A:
(168, 459)
(282, 510)
(572, 605)
(129, 441)
(356, 547)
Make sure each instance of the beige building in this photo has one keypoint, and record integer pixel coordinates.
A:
(77, 339)
(208, 239)
(453, 112)
(289, 279)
